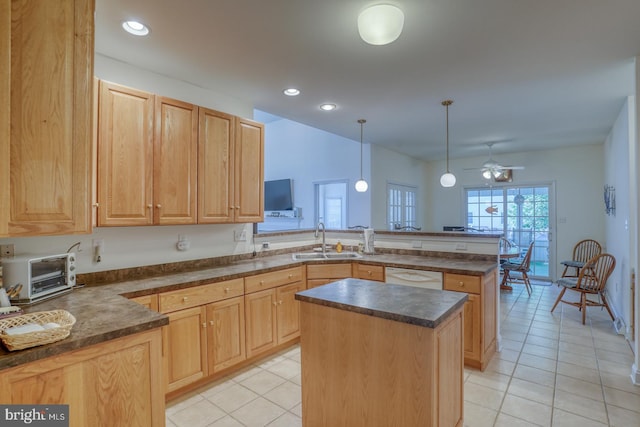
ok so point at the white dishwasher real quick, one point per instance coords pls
(417, 278)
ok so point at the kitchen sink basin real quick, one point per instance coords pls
(310, 256)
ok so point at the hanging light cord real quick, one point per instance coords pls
(362, 122)
(446, 104)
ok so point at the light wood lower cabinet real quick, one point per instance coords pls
(368, 272)
(272, 314)
(184, 342)
(225, 334)
(479, 315)
(115, 383)
(321, 274)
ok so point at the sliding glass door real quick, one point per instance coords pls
(522, 214)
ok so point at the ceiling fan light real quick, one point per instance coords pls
(486, 174)
(448, 179)
(380, 24)
(497, 173)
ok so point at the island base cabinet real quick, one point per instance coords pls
(116, 383)
(360, 370)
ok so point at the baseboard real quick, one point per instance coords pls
(635, 375)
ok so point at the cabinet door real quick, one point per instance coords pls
(149, 301)
(260, 315)
(288, 312)
(175, 157)
(185, 349)
(225, 337)
(472, 312)
(215, 162)
(249, 171)
(46, 74)
(125, 156)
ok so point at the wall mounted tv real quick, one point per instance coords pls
(278, 195)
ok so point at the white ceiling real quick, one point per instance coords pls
(533, 74)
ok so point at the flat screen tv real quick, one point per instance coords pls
(278, 195)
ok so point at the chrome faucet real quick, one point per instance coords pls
(324, 247)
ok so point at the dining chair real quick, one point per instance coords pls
(591, 281)
(523, 267)
(583, 251)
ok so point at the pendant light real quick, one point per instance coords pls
(447, 179)
(361, 184)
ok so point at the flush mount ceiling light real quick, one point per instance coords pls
(136, 28)
(447, 179)
(292, 91)
(361, 184)
(328, 107)
(380, 24)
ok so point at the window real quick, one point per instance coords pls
(331, 204)
(521, 213)
(402, 207)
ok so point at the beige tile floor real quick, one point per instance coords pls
(552, 371)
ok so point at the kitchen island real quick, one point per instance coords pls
(381, 355)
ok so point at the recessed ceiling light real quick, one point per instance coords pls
(328, 107)
(136, 28)
(292, 91)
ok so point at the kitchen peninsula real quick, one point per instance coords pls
(381, 355)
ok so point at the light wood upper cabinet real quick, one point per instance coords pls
(231, 169)
(175, 162)
(216, 132)
(46, 72)
(249, 171)
(125, 156)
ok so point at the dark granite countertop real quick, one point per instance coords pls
(406, 304)
(104, 313)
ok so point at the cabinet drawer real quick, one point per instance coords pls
(462, 283)
(272, 279)
(369, 272)
(149, 301)
(200, 295)
(329, 271)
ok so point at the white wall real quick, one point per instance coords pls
(578, 177)
(395, 168)
(309, 156)
(617, 165)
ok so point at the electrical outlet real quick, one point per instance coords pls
(6, 250)
(240, 235)
(461, 246)
(265, 245)
(416, 244)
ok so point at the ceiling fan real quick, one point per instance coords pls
(492, 169)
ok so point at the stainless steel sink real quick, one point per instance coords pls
(309, 256)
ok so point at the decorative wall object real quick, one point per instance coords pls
(610, 200)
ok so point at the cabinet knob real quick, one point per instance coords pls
(275, 303)
(184, 299)
(290, 276)
(461, 284)
(150, 206)
(261, 282)
(204, 324)
(237, 207)
(280, 302)
(226, 289)
(212, 322)
(96, 205)
(370, 272)
(158, 206)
